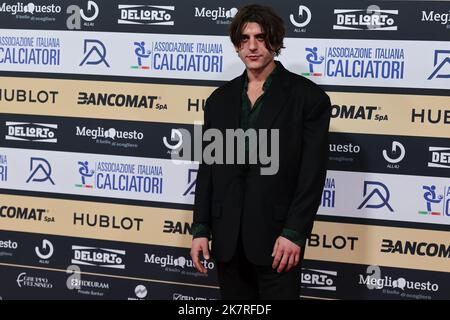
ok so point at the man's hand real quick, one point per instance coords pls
(286, 253)
(199, 245)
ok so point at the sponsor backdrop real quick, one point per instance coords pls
(97, 96)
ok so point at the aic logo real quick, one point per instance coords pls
(76, 14)
(302, 19)
(372, 18)
(437, 204)
(146, 14)
(141, 53)
(35, 132)
(313, 59)
(364, 62)
(378, 190)
(85, 173)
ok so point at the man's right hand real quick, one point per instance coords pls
(199, 245)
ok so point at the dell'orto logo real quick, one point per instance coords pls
(302, 19)
(378, 191)
(319, 279)
(41, 170)
(146, 14)
(98, 257)
(45, 251)
(395, 155)
(372, 18)
(35, 132)
(94, 53)
(440, 157)
(441, 65)
(88, 15)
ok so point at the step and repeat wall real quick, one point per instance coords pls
(93, 95)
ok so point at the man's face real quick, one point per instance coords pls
(253, 51)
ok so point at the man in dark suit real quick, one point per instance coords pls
(259, 223)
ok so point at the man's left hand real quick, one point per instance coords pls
(286, 254)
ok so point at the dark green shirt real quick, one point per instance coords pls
(249, 115)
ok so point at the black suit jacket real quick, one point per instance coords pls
(233, 197)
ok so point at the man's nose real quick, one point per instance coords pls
(253, 44)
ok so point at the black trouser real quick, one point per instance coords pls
(239, 279)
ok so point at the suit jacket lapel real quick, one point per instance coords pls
(275, 98)
(233, 102)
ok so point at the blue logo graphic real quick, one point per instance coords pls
(85, 173)
(192, 181)
(41, 170)
(313, 59)
(141, 54)
(94, 53)
(434, 200)
(441, 59)
(379, 190)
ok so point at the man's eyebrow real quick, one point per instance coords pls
(262, 34)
